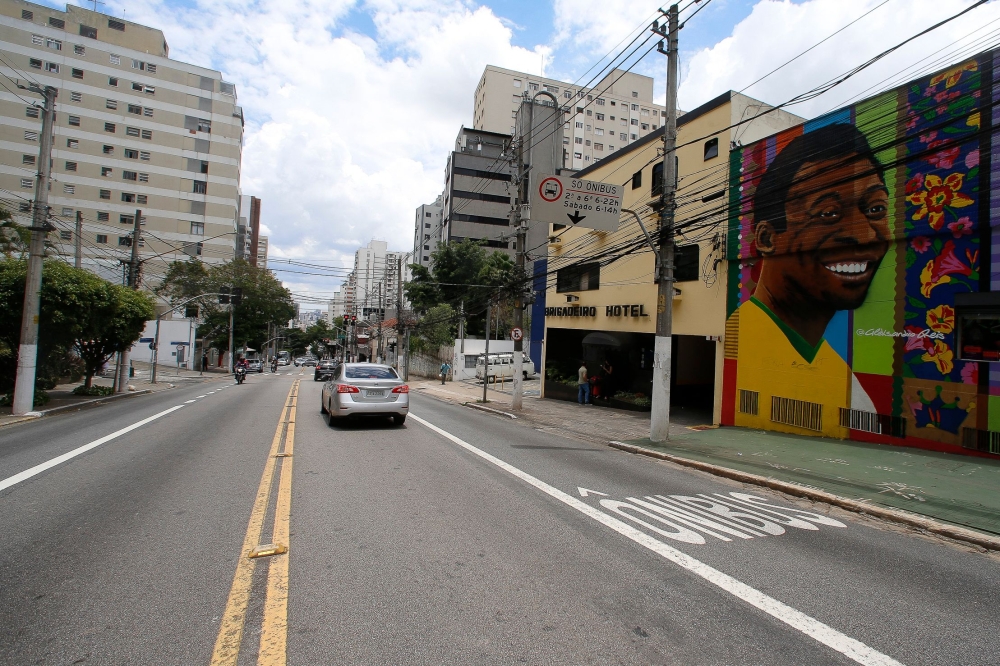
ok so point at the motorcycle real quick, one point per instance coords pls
(241, 375)
(274, 365)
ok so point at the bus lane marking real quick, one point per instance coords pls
(851, 648)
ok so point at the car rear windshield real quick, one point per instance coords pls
(362, 372)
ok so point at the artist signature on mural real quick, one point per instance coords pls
(882, 333)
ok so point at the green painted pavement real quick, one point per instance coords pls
(958, 489)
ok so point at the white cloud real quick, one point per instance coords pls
(777, 30)
(345, 135)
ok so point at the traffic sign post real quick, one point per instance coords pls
(579, 203)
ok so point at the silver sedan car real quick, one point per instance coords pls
(365, 389)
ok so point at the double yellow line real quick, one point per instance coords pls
(274, 632)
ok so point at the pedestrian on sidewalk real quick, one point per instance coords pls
(607, 379)
(204, 362)
(445, 368)
(583, 384)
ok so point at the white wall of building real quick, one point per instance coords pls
(172, 332)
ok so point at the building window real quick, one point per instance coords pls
(200, 187)
(637, 179)
(113, 81)
(34, 63)
(135, 108)
(578, 139)
(686, 263)
(578, 156)
(147, 111)
(116, 25)
(600, 101)
(197, 228)
(66, 234)
(623, 136)
(147, 134)
(645, 112)
(204, 125)
(70, 166)
(635, 121)
(144, 155)
(517, 83)
(67, 211)
(26, 15)
(52, 67)
(27, 183)
(105, 194)
(111, 104)
(79, 50)
(128, 197)
(24, 207)
(76, 97)
(28, 159)
(106, 171)
(151, 68)
(634, 136)
(109, 150)
(74, 121)
(142, 199)
(579, 125)
(711, 148)
(598, 146)
(109, 127)
(610, 148)
(87, 31)
(53, 44)
(131, 154)
(130, 175)
(103, 217)
(69, 189)
(125, 241)
(131, 131)
(143, 177)
(590, 112)
(600, 116)
(77, 73)
(599, 132)
(585, 277)
(101, 238)
(587, 142)
(635, 94)
(533, 86)
(31, 111)
(635, 107)
(30, 136)
(645, 126)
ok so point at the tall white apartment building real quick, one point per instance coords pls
(134, 130)
(428, 230)
(375, 279)
(598, 120)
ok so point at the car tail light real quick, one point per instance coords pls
(403, 388)
(346, 388)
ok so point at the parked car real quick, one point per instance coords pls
(325, 370)
(365, 389)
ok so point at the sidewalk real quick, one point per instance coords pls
(957, 489)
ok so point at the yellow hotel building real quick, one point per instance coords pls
(602, 311)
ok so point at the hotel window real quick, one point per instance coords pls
(645, 112)
(599, 132)
(31, 112)
(635, 121)
(101, 238)
(579, 125)
(28, 159)
(74, 121)
(635, 136)
(635, 107)
(69, 189)
(610, 148)
(623, 136)
(103, 217)
(585, 277)
(686, 263)
(70, 166)
(115, 59)
(197, 228)
(587, 142)
(711, 148)
(578, 139)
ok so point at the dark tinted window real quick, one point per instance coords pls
(369, 372)
(686, 263)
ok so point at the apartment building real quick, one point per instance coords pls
(261, 261)
(248, 229)
(598, 121)
(134, 130)
(428, 227)
(477, 196)
(372, 287)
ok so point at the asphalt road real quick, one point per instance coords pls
(458, 538)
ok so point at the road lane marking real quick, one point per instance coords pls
(38, 469)
(188, 402)
(227, 644)
(849, 647)
(274, 631)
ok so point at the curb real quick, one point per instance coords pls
(895, 515)
(77, 405)
(487, 409)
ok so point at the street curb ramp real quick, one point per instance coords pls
(894, 515)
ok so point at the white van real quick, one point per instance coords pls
(501, 367)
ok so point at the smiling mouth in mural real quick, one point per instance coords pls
(853, 271)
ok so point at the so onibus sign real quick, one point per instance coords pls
(579, 203)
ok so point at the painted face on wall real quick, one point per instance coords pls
(834, 235)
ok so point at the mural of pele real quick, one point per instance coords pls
(857, 304)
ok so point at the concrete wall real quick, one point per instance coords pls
(473, 348)
(171, 331)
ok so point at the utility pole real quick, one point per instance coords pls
(78, 240)
(659, 424)
(133, 282)
(27, 353)
(520, 202)
(399, 307)
(230, 333)
(486, 353)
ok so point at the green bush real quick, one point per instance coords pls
(638, 399)
(93, 390)
(41, 398)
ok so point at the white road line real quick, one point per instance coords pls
(188, 402)
(200, 396)
(58, 460)
(849, 647)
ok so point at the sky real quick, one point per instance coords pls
(352, 106)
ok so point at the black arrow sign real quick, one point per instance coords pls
(575, 218)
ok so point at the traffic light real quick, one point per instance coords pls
(224, 295)
(237, 296)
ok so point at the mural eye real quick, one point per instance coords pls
(876, 210)
(827, 215)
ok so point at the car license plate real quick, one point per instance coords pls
(375, 394)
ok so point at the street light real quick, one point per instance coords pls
(156, 336)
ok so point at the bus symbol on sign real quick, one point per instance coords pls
(551, 189)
